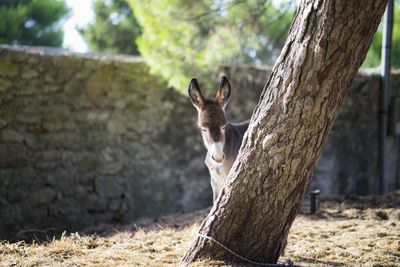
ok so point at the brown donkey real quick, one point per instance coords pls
(221, 138)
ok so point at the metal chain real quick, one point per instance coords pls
(289, 262)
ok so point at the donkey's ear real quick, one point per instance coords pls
(224, 92)
(195, 94)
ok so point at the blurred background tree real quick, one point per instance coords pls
(186, 38)
(178, 39)
(115, 28)
(32, 22)
(373, 58)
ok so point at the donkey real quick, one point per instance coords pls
(221, 138)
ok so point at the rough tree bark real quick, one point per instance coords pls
(327, 44)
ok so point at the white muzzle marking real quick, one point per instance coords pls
(217, 152)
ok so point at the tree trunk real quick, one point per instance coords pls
(327, 43)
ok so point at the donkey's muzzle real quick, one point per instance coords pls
(218, 159)
(217, 152)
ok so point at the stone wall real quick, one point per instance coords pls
(86, 139)
(348, 165)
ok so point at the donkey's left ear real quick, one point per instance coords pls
(195, 94)
(224, 92)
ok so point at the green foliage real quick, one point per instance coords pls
(114, 30)
(186, 38)
(32, 22)
(373, 58)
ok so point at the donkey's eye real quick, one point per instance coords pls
(204, 129)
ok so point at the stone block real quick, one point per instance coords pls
(120, 104)
(7, 69)
(83, 74)
(116, 127)
(50, 155)
(34, 142)
(5, 180)
(27, 90)
(107, 73)
(52, 126)
(70, 125)
(97, 116)
(80, 192)
(29, 74)
(73, 141)
(81, 103)
(35, 128)
(18, 194)
(55, 140)
(28, 118)
(11, 213)
(69, 159)
(124, 206)
(3, 123)
(73, 88)
(89, 163)
(46, 165)
(107, 187)
(64, 182)
(12, 156)
(33, 60)
(25, 176)
(8, 135)
(87, 179)
(49, 89)
(95, 89)
(111, 168)
(67, 207)
(112, 154)
(35, 109)
(7, 112)
(114, 205)
(96, 140)
(95, 203)
(5, 85)
(57, 112)
(80, 116)
(43, 195)
(49, 78)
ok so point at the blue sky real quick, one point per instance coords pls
(81, 14)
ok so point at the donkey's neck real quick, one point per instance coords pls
(233, 139)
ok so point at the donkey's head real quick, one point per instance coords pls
(212, 119)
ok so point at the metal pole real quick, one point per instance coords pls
(385, 94)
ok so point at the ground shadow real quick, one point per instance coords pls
(320, 262)
(331, 207)
(174, 221)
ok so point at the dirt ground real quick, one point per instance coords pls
(362, 231)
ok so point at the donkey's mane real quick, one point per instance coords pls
(209, 100)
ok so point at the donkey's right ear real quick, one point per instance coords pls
(224, 92)
(195, 94)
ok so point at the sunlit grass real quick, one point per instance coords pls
(342, 233)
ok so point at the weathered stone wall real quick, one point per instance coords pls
(86, 139)
(348, 165)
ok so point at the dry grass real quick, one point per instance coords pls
(362, 231)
